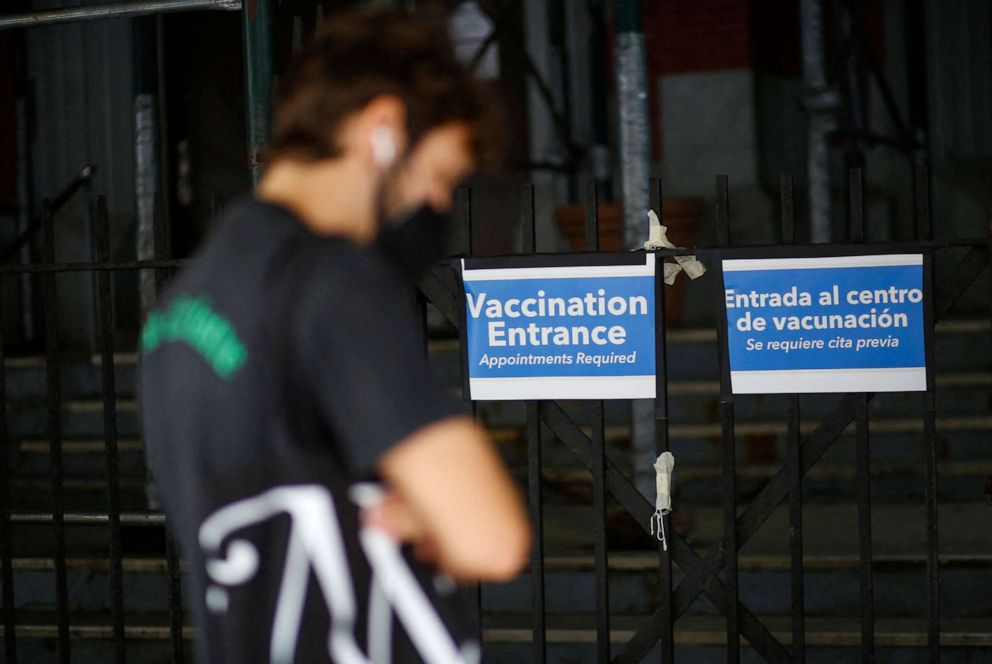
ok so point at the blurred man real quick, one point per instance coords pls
(290, 419)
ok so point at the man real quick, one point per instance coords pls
(290, 420)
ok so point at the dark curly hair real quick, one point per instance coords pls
(360, 55)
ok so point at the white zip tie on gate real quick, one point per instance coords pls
(663, 468)
(658, 239)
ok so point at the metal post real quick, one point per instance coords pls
(632, 111)
(146, 150)
(106, 344)
(795, 468)
(6, 539)
(56, 471)
(729, 479)
(463, 219)
(598, 471)
(257, 37)
(917, 79)
(22, 144)
(854, 158)
(863, 459)
(821, 103)
(534, 479)
(662, 444)
(924, 230)
(635, 166)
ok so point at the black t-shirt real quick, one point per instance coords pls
(276, 370)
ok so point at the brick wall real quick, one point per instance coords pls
(697, 35)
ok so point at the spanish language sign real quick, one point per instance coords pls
(576, 331)
(833, 324)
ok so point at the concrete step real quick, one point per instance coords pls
(828, 530)
(33, 493)
(831, 585)
(81, 418)
(831, 563)
(892, 482)
(507, 638)
(959, 439)
(702, 639)
(704, 630)
(26, 377)
(91, 637)
(80, 457)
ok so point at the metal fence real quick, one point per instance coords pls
(59, 518)
(713, 574)
(703, 572)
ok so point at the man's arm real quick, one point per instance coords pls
(458, 494)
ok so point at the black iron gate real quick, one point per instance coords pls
(713, 575)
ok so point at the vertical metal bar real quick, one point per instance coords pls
(821, 105)
(6, 544)
(661, 437)
(534, 462)
(864, 529)
(924, 231)
(257, 37)
(592, 216)
(633, 120)
(160, 227)
(53, 361)
(106, 322)
(463, 218)
(24, 182)
(788, 210)
(729, 452)
(794, 461)
(175, 600)
(857, 210)
(722, 212)
(528, 222)
(598, 470)
(534, 495)
(863, 460)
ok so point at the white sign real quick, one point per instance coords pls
(564, 332)
(832, 324)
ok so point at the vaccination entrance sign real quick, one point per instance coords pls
(556, 327)
(830, 324)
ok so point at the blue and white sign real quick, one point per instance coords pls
(833, 324)
(570, 332)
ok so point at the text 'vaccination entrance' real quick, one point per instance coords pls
(572, 330)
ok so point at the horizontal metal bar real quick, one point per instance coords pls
(90, 267)
(61, 198)
(90, 518)
(808, 250)
(115, 10)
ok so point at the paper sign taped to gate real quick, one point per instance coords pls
(566, 330)
(828, 324)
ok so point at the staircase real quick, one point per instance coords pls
(964, 363)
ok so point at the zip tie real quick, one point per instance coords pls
(663, 468)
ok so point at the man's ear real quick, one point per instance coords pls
(381, 126)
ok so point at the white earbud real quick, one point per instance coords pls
(383, 147)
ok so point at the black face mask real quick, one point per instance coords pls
(414, 243)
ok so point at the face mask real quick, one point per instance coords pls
(414, 243)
